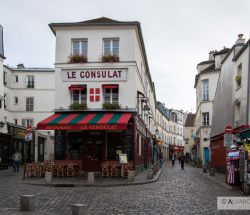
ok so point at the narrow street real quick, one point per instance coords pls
(178, 191)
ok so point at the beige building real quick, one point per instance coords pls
(189, 130)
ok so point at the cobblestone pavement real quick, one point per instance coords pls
(177, 192)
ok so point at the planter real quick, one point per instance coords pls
(110, 59)
(77, 59)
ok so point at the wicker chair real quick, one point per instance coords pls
(37, 169)
(70, 170)
(60, 170)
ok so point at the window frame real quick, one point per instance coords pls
(111, 46)
(205, 90)
(205, 118)
(80, 46)
(111, 95)
(30, 83)
(29, 105)
(80, 101)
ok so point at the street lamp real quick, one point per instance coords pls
(2, 124)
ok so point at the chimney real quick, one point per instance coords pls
(240, 40)
(20, 66)
(211, 55)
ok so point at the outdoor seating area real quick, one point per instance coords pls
(114, 169)
(59, 168)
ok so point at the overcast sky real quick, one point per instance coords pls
(178, 34)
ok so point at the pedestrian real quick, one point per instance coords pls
(173, 159)
(161, 157)
(16, 157)
(182, 159)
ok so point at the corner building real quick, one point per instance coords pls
(104, 94)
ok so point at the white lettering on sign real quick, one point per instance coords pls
(94, 75)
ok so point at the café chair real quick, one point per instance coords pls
(105, 170)
(70, 170)
(60, 171)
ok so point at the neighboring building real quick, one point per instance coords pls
(189, 131)
(162, 125)
(231, 103)
(205, 84)
(26, 97)
(112, 73)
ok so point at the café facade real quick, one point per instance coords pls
(104, 103)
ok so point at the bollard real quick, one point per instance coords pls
(48, 177)
(131, 176)
(150, 173)
(212, 172)
(204, 169)
(79, 209)
(91, 178)
(27, 203)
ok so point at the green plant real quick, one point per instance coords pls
(110, 58)
(76, 58)
(111, 106)
(238, 80)
(76, 106)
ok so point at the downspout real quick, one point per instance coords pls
(248, 87)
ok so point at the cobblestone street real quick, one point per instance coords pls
(177, 191)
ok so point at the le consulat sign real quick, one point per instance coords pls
(80, 75)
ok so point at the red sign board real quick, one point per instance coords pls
(29, 129)
(229, 129)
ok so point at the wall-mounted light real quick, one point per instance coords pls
(146, 109)
(156, 131)
(2, 124)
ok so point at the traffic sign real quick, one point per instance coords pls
(29, 129)
(228, 129)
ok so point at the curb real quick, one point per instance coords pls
(156, 178)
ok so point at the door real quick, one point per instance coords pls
(40, 149)
(206, 155)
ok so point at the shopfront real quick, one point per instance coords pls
(93, 137)
(4, 150)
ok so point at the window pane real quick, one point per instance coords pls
(106, 47)
(84, 48)
(83, 96)
(76, 47)
(76, 96)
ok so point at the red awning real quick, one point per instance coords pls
(77, 87)
(85, 121)
(110, 86)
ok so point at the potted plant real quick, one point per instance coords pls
(77, 106)
(111, 106)
(110, 58)
(77, 58)
(238, 80)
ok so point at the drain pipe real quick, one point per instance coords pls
(248, 87)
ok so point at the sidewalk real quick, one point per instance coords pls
(140, 178)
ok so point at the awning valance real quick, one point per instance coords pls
(85, 121)
(77, 87)
(110, 86)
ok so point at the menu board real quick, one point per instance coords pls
(123, 158)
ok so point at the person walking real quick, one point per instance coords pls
(182, 160)
(173, 159)
(161, 157)
(16, 157)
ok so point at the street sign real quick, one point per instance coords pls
(29, 129)
(229, 129)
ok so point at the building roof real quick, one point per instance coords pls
(190, 120)
(33, 69)
(241, 50)
(205, 62)
(222, 51)
(102, 21)
(209, 68)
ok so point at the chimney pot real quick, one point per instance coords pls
(240, 39)
(20, 66)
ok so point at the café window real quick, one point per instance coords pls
(78, 94)
(111, 47)
(27, 122)
(29, 104)
(111, 94)
(80, 47)
(30, 81)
